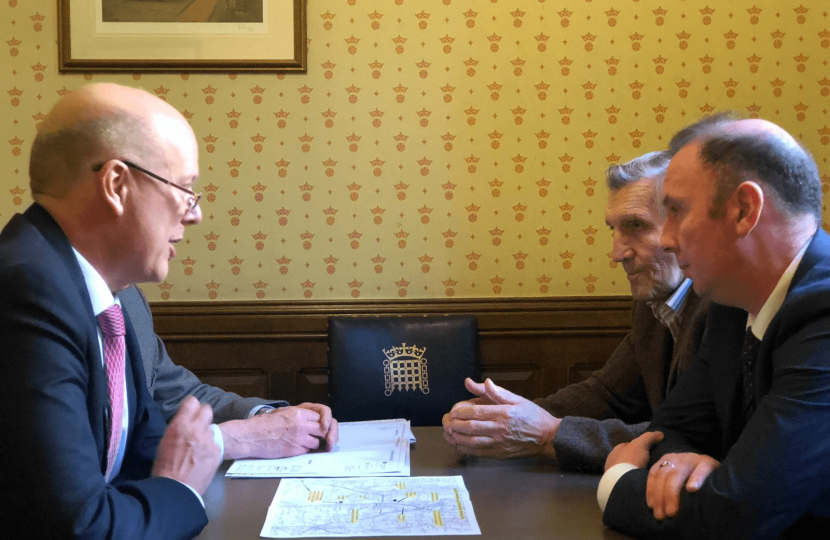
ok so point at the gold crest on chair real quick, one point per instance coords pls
(405, 368)
(378, 366)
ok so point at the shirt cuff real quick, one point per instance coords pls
(259, 409)
(609, 480)
(219, 440)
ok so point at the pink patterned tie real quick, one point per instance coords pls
(111, 321)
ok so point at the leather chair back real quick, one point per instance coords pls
(400, 367)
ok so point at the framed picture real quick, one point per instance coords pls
(181, 35)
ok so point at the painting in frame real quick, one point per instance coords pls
(181, 35)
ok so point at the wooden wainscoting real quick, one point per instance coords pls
(277, 350)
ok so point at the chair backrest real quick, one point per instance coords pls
(400, 367)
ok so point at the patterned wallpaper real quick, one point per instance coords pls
(441, 148)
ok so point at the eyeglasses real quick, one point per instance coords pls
(193, 198)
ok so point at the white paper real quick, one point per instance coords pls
(415, 506)
(412, 439)
(364, 449)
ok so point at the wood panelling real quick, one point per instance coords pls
(278, 350)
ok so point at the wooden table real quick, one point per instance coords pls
(521, 499)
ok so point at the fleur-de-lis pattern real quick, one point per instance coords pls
(441, 148)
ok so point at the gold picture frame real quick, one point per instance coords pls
(116, 35)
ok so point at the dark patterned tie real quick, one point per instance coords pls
(749, 355)
(111, 321)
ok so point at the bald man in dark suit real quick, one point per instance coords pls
(86, 453)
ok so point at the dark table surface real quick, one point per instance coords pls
(520, 499)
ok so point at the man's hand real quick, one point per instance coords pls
(288, 431)
(187, 452)
(499, 424)
(328, 425)
(635, 452)
(667, 478)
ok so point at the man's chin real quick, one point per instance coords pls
(157, 275)
(651, 294)
(641, 295)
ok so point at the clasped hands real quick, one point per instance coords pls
(499, 424)
(667, 477)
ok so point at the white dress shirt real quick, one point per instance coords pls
(102, 298)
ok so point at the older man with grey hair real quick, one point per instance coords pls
(580, 424)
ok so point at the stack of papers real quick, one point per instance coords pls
(377, 448)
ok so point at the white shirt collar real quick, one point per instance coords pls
(760, 322)
(99, 292)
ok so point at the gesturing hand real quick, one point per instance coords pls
(667, 478)
(499, 424)
(187, 452)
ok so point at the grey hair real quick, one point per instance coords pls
(57, 158)
(652, 165)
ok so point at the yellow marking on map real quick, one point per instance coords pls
(400, 485)
(411, 494)
(342, 497)
(401, 518)
(315, 496)
(434, 497)
(459, 504)
(436, 517)
(354, 516)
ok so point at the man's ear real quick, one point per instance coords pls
(114, 185)
(749, 201)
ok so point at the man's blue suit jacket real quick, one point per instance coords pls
(54, 414)
(774, 477)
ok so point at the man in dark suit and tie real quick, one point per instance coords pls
(85, 452)
(740, 448)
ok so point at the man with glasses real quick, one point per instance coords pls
(246, 431)
(86, 452)
(192, 198)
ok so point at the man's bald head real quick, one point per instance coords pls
(699, 128)
(761, 151)
(96, 123)
(89, 170)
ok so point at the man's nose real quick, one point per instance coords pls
(193, 216)
(668, 241)
(621, 250)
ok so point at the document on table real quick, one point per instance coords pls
(415, 506)
(378, 448)
(381, 423)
